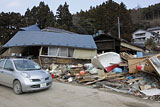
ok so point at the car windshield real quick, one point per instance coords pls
(26, 65)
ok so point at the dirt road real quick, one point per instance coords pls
(66, 95)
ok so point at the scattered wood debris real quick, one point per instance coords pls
(132, 76)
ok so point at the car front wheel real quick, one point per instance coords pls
(17, 87)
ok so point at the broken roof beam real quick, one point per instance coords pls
(132, 47)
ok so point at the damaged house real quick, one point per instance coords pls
(51, 47)
(109, 43)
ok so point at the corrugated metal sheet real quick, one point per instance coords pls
(31, 28)
(56, 30)
(37, 38)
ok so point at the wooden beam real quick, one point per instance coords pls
(127, 45)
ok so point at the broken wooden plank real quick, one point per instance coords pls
(126, 56)
(133, 80)
(155, 62)
(40, 62)
(113, 84)
(121, 78)
(116, 75)
(107, 76)
(86, 80)
(123, 64)
(110, 73)
(89, 83)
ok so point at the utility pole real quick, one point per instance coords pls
(119, 33)
(26, 20)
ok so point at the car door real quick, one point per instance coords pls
(8, 73)
(1, 69)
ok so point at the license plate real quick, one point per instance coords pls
(43, 85)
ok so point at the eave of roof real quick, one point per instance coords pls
(132, 47)
(31, 28)
(107, 35)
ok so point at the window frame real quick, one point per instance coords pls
(5, 64)
(2, 64)
(58, 50)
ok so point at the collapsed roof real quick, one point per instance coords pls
(38, 38)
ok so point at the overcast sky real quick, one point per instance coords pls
(74, 5)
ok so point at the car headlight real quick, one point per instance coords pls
(25, 75)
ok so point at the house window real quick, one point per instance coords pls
(52, 51)
(139, 40)
(63, 52)
(142, 39)
(44, 51)
(58, 51)
(140, 34)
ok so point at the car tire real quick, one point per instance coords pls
(17, 88)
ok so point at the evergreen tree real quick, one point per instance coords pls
(64, 17)
(42, 15)
(9, 25)
(104, 17)
(59, 15)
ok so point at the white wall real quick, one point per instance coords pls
(142, 36)
(84, 54)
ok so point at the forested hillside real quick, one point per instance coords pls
(146, 17)
(104, 17)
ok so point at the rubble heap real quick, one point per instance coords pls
(137, 76)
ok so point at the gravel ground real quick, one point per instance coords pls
(67, 95)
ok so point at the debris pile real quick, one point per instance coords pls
(126, 74)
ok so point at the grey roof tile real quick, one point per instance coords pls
(38, 38)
